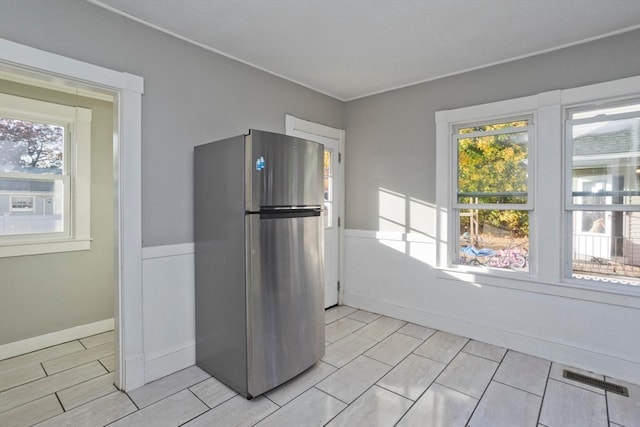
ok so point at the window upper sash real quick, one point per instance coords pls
(492, 164)
(602, 152)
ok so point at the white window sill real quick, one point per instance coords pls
(46, 247)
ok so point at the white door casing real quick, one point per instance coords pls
(126, 90)
(333, 140)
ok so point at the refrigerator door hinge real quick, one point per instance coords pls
(339, 157)
(338, 222)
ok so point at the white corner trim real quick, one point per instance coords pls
(54, 338)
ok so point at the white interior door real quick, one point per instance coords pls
(331, 138)
(331, 235)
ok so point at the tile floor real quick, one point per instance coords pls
(377, 371)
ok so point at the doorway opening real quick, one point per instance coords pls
(78, 78)
(333, 140)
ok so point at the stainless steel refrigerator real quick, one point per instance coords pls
(258, 259)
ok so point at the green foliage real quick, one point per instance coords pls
(491, 168)
(517, 222)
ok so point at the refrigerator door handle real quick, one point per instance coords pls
(290, 212)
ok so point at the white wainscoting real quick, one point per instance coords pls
(168, 309)
(393, 274)
(54, 338)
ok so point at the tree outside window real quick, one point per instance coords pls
(25, 146)
(492, 193)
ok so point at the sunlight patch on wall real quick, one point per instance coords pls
(393, 211)
(407, 225)
(422, 217)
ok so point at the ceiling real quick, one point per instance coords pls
(353, 48)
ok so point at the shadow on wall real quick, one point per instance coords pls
(404, 258)
(407, 225)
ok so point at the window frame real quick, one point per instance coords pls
(569, 205)
(457, 207)
(530, 129)
(446, 195)
(76, 177)
(549, 271)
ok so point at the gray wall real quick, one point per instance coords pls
(194, 96)
(391, 136)
(191, 96)
(40, 294)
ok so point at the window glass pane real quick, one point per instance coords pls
(605, 171)
(328, 211)
(493, 168)
(606, 246)
(328, 188)
(327, 162)
(606, 159)
(31, 206)
(28, 147)
(494, 238)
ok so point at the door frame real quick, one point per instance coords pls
(294, 126)
(127, 90)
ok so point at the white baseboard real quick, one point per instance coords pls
(54, 338)
(614, 367)
(163, 363)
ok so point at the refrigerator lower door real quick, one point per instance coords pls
(285, 299)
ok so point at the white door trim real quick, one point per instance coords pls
(127, 92)
(294, 124)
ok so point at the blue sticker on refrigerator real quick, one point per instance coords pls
(260, 163)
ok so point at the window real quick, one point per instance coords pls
(603, 190)
(328, 189)
(44, 177)
(492, 182)
(577, 151)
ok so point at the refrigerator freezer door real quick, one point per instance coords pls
(282, 171)
(285, 299)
